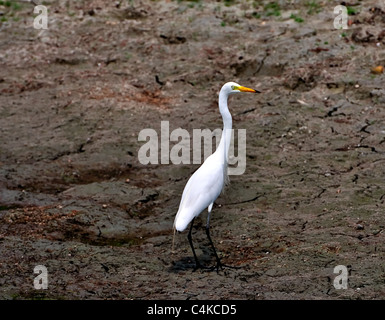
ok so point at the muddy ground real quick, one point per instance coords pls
(75, 198)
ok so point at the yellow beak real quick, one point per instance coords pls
(244, 89)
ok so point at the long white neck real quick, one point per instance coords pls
(224, 144)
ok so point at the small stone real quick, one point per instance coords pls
(359, 227)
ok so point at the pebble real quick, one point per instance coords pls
(359, 227)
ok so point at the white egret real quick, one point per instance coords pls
(206, 184)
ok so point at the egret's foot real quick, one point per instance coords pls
(216, 267)
(222, 266)
(200, 266)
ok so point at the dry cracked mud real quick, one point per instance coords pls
(75, 198)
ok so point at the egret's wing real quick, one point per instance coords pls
(202, 189)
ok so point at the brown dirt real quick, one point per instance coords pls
(75, 198)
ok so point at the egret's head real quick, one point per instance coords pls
(232, 87)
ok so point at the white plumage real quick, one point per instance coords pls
(206, 184)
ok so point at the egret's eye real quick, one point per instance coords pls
(233, 87)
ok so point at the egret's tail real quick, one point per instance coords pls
(181, 222)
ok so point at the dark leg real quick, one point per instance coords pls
(219, 263)
(197, 264)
